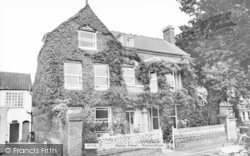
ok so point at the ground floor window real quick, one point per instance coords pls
(102, 119)
(155, 118)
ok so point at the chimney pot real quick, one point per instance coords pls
(169, 34)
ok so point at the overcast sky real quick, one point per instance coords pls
(24, 22)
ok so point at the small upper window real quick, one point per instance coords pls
(129, 76)
(87, 40)
(73, 75)
(101, 77)
(153, 83)
(14, 99)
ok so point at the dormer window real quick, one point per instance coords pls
(87, 40)
(130, 42)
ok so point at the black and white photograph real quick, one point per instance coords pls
(125, 77)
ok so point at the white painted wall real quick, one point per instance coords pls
(17, 113)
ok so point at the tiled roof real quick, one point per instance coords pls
(14, 81)
(153, 44)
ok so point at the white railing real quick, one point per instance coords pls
(136, 138)
(195, 132)
(191, 132)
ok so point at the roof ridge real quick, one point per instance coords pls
(137, 35)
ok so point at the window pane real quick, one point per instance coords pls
(129, 80)
(101, 81)
(86, 44)
(155, 112)
(170, 77)
(72, 80)
(72, 69)
(153, 85)
(101, 71)
(153, 76)
(128, 71)
(8, 99)
(14, 99)
(20, 99)
(87, 35)
(101, 113)
(155, 123)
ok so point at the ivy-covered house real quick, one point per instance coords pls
(123, 81)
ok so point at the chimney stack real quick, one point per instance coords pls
(168, 34)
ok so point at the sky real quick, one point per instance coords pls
(24, 22)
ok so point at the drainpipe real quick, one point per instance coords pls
(32, 134)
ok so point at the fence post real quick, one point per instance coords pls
(74, 131)
(173, 137)
(231, 129)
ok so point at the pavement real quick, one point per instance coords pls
(200, 151)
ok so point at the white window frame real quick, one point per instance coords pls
(94, 40)
(173, 88)
(151, 80)
(102, 87)
(79, 76)
(129, 76)
(108, 120)
(13, 101)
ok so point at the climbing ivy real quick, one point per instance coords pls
(117, 96)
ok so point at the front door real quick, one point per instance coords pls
(14, 132)
(130, 120)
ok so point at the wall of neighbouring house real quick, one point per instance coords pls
(3, 125)
(18, 114)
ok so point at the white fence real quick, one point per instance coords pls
(191, 132)
(136, 138)
(195, 132)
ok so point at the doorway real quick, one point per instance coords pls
(25, 131)
(130, 120)
(14, 131)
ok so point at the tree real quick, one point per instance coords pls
(218, 37)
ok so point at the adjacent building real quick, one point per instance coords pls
(15, 107)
